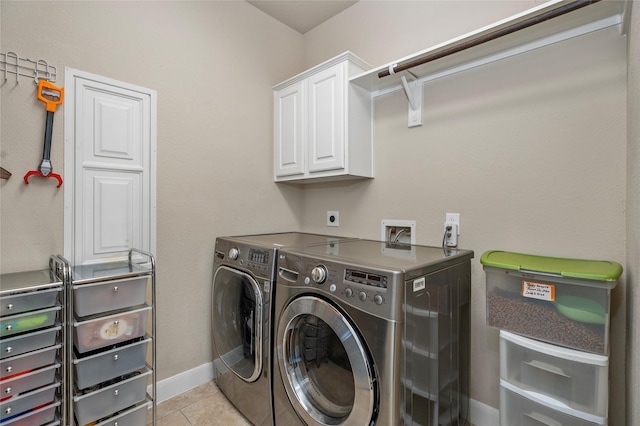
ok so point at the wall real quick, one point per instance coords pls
(212, 65)
(633, 214)
(531, 151)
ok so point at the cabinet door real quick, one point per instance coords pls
(289, 130)
(326, 120)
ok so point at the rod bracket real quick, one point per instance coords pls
(413, 91)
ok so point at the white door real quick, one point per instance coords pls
(325, 128)
(289, 130)
(110, 168)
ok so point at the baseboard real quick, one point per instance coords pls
(180, 383)
(479, 414)
(483, 415)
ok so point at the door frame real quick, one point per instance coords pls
(69, 119)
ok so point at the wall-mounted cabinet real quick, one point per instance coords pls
(322, 124)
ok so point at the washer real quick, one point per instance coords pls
(371, 334)
(242, 309)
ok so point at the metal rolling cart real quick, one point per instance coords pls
(32, 345)
(108, 368)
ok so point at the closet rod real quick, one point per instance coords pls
(559, 11)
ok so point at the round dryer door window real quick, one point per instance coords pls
(324, 364)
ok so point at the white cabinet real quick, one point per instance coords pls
(322, 124)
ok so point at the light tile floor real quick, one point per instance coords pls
(201, 406)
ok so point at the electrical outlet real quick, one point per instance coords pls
(333, 218)
(451, 229)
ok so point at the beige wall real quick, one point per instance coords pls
(531, 151)
(213, 65)
(633, 216)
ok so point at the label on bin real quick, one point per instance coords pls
(540, 291)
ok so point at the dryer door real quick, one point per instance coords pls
(325, 366)
(237, 322)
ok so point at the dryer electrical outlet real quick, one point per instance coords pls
(333, 218)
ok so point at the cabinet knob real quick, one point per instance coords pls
(116, 392)
(116, 322)
(9, 369)
(10, 306)
(9, 349)
(9, 327)
(8, 410)
(115, 288)
(115, 424)
(8, 390)
(115, 357)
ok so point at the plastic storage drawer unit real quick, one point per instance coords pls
(133, 416)
(28, 381)
(107, 365)
(95, 298)
(522, 408)
(577, 379)
(108, 330)
(110, 399)
(561, 301)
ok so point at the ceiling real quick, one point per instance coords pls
(302, 15)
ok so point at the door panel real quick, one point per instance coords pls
(289, 131)
(110, 152)
(326, 120)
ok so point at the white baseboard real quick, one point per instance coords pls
(180, 383)
(479, 414)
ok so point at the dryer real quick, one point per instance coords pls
(371, 334)
(242, 309)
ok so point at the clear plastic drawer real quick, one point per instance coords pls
(107, 365)
(40, 416)
(28, 381)
(133, 416)
(17, 345)
(110, 399)
(95, 298)
(27, 361)
(523, 408)
(111, 329)
(26, 402)
(31, 301)
(577, 379)
(28, 321)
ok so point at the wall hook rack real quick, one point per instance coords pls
(39, 69)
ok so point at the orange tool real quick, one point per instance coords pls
(52, 97)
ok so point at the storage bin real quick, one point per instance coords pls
(17, 345)
(109, 399)
(561, 301)
(28, 321)
(107, 365)
(26, 402)
(523, 408)
(42, 415)
(94, 298)
(577, 379)
(27, 361)
(31, 301)
(28, 381)
(108, 330)
(133, 416)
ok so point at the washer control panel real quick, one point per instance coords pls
(372, 291)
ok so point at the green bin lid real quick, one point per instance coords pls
(600, 270)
